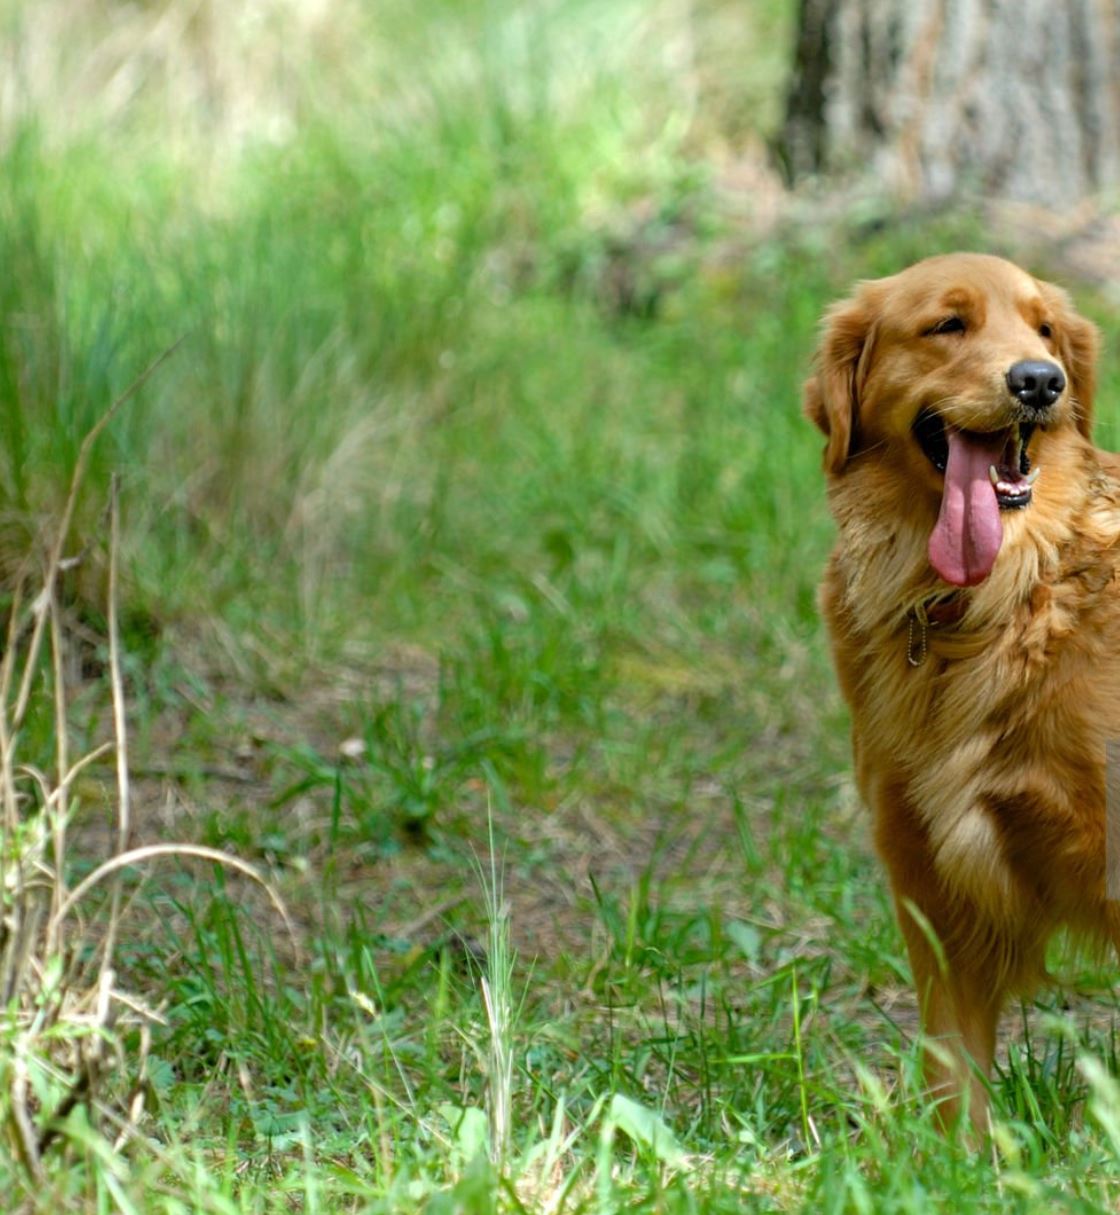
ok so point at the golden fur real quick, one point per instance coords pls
(979, 737)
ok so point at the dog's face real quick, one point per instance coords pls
(954, 372)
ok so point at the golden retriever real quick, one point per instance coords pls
(974, 614)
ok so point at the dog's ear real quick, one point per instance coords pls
(1078, 343)
(831, 398)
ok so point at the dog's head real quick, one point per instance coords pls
(954, 371)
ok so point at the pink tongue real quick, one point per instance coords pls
(964, 543)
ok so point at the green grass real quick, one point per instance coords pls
(470, 541)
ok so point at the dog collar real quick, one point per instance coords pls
(942, 611)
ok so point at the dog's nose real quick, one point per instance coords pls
(1036, 383)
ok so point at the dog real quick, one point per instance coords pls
(973, 608)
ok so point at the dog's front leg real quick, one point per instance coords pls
(960, 1006)
(959, 982)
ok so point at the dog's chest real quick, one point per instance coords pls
(998, 736)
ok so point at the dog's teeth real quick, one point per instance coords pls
(1032, 476)
(993, 474)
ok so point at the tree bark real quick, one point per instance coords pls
(1015, 99)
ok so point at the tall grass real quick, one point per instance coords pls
(74, 1047)
(348, 406)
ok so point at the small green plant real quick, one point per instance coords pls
(406, 776)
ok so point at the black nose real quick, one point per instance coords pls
(1036, 383)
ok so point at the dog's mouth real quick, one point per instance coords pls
(984, 475)
(1011, 474)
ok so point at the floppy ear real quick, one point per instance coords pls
(1078, 342)
(830, 397)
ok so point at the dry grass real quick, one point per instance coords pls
(69, 1035)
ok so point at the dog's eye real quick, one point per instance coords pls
(951, 324)
(1045, 331)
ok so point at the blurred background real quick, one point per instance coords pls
(472, 281)
(395, 241)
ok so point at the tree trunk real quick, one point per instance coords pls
(1015, 99)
